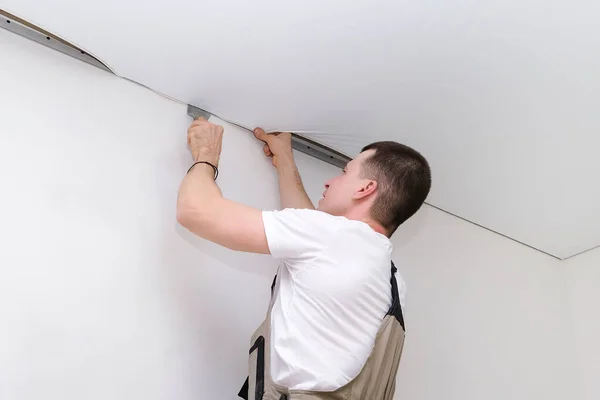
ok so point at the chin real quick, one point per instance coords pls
(320, 205)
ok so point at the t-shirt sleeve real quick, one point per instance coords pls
(299, 233)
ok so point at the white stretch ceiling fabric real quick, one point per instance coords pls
(500, 96)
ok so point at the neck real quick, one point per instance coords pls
(376, 227)
(356, 215)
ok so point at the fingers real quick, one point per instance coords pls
(267, 151)
(203, 122)
(199, 121)
(260, 134)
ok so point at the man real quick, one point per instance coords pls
(334, 329)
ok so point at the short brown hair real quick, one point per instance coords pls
(403, 177)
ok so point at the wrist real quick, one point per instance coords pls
(285, 160)
(208, 157)
(207, 165)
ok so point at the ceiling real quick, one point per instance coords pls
(501, 96)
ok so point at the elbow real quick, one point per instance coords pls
(197, 218)
(182, 217)
(187, 216)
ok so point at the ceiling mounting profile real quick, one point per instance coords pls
(30, 31)
(491, 131)
(302, 144)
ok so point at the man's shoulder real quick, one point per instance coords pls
(307, 217)
(309, 213)
(299, 233)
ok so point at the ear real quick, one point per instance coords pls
(368, 188)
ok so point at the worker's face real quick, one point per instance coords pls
(342, 191)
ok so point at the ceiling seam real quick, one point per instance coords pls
(496, 232)
(581, 252)
(43, 32)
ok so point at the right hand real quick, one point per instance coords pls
(278, 145)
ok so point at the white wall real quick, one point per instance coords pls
(102, 295)
(493, 92)
(484, 318)
(584, 300)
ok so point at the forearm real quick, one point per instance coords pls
(291, 189)
(202, 209)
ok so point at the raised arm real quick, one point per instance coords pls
(201, 207)
(278, 146)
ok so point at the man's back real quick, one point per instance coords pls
(332, 294)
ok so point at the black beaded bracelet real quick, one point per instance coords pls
(205, 162)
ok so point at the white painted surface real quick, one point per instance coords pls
(584, 300)
(102, 295)
(501, 96)
(485, 316)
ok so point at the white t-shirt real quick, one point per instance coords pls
(333, 293)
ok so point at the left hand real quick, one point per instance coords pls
(205, 140)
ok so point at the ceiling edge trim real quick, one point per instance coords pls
(300, 143)
(23, 28)
(581, 252)
(498, 233)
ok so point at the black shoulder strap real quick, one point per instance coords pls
(273, 284)
(396, 308)
(243, 393)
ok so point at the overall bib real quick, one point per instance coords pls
(376, 380)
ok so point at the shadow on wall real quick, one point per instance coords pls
(411, 228)
(243, 262)
(213, 281)
(218, 296)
